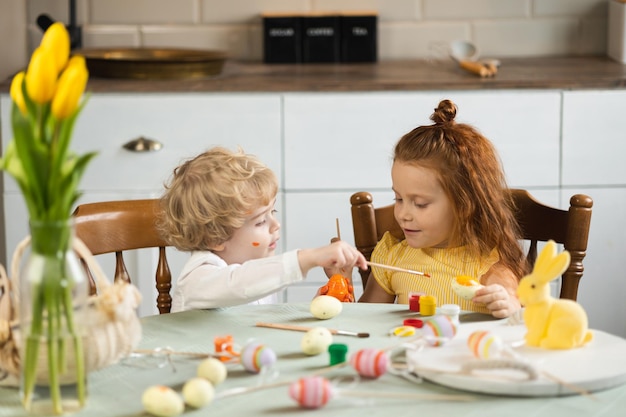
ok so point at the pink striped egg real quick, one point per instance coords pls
(484, 344)
(370, 363)
(438, 330)
(254, 356)
(311, 392)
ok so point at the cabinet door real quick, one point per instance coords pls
(345, 141)
(593, 138)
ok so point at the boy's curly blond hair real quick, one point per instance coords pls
(208, 198)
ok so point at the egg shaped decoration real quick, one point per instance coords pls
(162, 401)
(198, 392)
(325, 307)
(255, 356)
(465, 286)
(213, 370)
(316, 341)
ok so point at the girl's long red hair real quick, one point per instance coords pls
(471, 174)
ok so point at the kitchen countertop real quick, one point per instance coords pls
(588, 72)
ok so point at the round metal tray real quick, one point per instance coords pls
(153, 63)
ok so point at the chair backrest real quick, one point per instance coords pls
(118, 226)
(538, 223)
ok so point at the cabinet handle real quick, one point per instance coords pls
(142, 144)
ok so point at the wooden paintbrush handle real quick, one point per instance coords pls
(285, 326)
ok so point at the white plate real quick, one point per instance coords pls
(599, 365)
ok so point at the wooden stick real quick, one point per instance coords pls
(408, 396)
(395, 268)
(306, 329)
(165, 352)
(569, 386)
(337, 223)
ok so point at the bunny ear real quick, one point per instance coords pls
(549, 265)
(545, 256)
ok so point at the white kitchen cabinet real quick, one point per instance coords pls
(340, 143)
(325, 146)
(185, 125)
(594, 145)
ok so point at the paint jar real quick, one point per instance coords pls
(428, 305)
(414, 301)
(338, 352)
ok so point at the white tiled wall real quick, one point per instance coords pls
(407, 28)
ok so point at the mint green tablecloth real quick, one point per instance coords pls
(116, 390)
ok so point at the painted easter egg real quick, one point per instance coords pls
(198, 392)
(255, 356)
(465, 286)
(439, 330)
(325, 307)
(485, 345)
(370, 363)
(316, 341)
(311, 392)
(162, 401)
(213, 370)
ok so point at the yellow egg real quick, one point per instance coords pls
(465, 287)
(325, 307)
(162, 401)
(212, 370)
(198, 392)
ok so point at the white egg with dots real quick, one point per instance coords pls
(325, 307)
(316, 341)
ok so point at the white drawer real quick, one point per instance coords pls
(185, 124)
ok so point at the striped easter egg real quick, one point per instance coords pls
(484, 344)
(254, 356)
(311, 392)
(439, 330)
(370, 363)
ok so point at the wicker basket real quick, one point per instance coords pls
(114, 328)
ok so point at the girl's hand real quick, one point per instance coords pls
(498, 300)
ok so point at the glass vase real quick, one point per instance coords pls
(54, 293)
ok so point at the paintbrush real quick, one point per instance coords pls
(395, 268)
(306, 329)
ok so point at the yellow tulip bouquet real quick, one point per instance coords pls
(46, 102)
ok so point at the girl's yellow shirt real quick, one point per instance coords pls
(443, 265)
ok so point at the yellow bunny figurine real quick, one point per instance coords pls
(552, 323)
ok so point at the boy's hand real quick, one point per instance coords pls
(337, 255)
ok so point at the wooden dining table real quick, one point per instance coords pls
(116, 390)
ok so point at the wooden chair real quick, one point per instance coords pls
(118, 226)
(537, 221)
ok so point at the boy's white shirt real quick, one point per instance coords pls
(207, 281)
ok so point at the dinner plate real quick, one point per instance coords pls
(599, 365)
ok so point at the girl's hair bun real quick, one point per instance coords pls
(444, 113)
